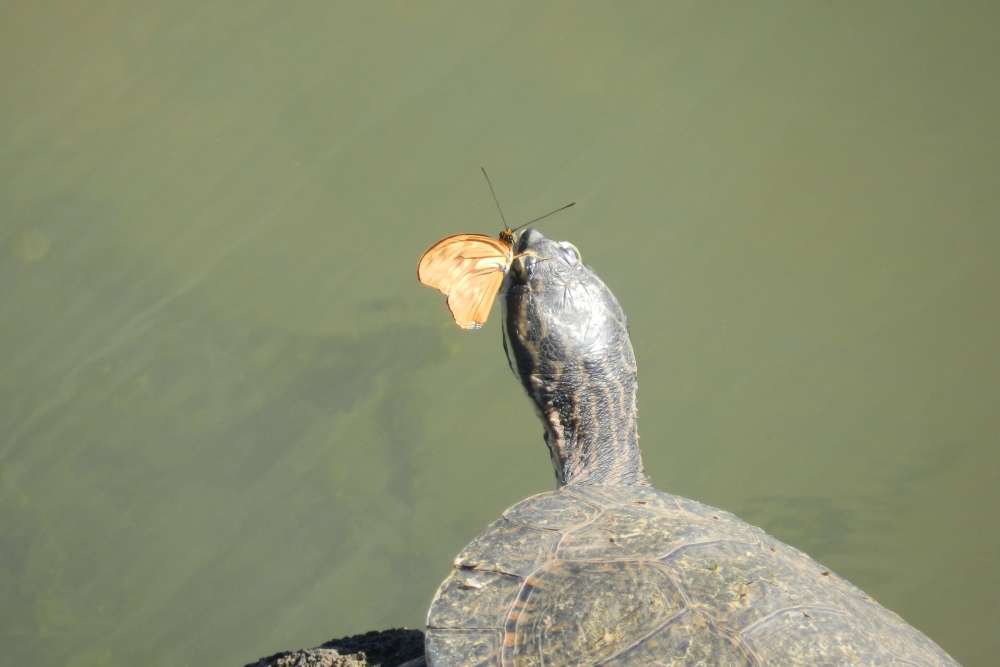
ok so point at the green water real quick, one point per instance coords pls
(232, 422)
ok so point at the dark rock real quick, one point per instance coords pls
(389, 648)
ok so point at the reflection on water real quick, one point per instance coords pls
(838, 525)
(183, 459)
(232, 422)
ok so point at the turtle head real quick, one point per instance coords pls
(551, 295)
(567, 341)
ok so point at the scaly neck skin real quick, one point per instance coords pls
(590, 417)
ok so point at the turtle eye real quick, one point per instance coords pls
(570, 253)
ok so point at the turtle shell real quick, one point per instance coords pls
(628, 575)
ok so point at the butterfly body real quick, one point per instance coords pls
(468, 269)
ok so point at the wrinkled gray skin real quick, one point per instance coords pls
(609, 571)
(567, 341)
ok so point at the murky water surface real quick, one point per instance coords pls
(232, 422)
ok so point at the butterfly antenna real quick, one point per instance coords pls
(544, 216)
(495, 199)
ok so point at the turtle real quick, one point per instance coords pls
(607, 570)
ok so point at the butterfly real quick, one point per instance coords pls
(469, 269)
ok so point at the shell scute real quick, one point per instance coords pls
(833, 639)
(580, 613)
(512, 548)
(693, 508)
(606, 496)
(462, 648)
(740, 583)
(641, 531)
(473, 599)
(686, 641)
(554, 511)
(897, 637)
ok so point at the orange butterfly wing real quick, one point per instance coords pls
(468, 269)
